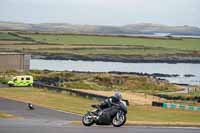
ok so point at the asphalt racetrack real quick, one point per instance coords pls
(43, 120)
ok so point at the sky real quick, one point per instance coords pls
(102, 12)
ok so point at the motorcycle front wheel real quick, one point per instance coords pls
(87, 120)
(118, 122)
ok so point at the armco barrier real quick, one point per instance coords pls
(175, 106)
(71, 91)
(181, 106)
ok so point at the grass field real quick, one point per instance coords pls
(184, 44)
(98, 46)
(79, 105)
(6, 36)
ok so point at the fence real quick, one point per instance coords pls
(72, 91)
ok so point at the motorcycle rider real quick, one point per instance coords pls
(30, 106)
(109, 102)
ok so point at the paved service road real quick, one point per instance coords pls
(43, 120)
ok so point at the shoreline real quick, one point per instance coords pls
(170, 60)
(159, 76)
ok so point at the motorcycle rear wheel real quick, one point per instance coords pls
(87, 120)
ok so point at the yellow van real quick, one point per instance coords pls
(25, 80)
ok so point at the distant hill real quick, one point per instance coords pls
(141, 28)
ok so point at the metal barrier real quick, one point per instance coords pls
(181, 106)
(175, 106)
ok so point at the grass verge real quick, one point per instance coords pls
(6, 115)
(65, 102)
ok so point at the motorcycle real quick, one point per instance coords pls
(115, 115)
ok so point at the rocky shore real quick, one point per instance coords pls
(128, 59)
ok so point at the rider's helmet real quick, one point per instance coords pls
(118, 95)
